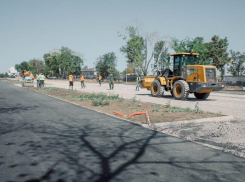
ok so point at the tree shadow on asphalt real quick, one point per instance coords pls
(86, 152)
(9, 125)
(16, 109)
(72, 152)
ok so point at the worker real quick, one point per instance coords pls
(82, 80)
(38, 79)
(111, 84)
(25, 73)
(100, 79)
(71, 79)
(32, 77)
(42, 80)
(137, 83)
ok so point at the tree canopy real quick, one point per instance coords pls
(197, 44)
(135, 50)
(237, 63)
(106, 65)
(63, 62)
(218, 54)
(37, 66)
(23, 66)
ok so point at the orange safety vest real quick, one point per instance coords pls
(81, 78)
(31, 75)
(100, 77)
(71, 78)
(25, 73)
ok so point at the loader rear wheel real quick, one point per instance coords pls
(156, 89)
(201, 95)
(181, 90)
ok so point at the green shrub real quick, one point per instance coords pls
(100, 103)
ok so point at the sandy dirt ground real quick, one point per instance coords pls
(226, 136)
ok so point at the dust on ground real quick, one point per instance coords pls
(227, 136)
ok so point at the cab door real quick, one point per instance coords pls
(177, 65)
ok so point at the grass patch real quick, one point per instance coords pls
(99, 96)
(100, 103)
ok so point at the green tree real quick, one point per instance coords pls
(63, 62)
(135, 50)
(36, 65)
(237, 63)
(106, 65)
(69, 62)
(6, 75)
(197, 44)
(217, 52)
(52, 62)
(23, 66)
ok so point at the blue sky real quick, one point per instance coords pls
(31, 28)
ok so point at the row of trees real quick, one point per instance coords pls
(59, 63)
(215, 52)
(4, 75)
(34, 65)
(141, 51)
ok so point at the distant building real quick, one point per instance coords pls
(12, 71)
(89, 73)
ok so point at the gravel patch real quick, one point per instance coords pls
(227, 136)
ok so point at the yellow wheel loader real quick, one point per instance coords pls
(182, 77)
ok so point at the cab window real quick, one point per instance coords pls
(176, 66)
(189, 60)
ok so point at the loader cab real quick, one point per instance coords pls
(178, 60)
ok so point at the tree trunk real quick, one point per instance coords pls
(222, 73)
(159, 56)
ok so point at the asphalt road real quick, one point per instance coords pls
(44, 139)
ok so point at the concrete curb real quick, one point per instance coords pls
(214, 119)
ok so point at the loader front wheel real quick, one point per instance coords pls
(201, 95)
(156, 89)
(181, 90)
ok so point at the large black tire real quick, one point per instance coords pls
(156, 89)
(201, 95)
(181, 90)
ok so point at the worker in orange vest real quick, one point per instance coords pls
(25, 73)
(71, 79)
(100, 78)
(82, 81)
(31, 75)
